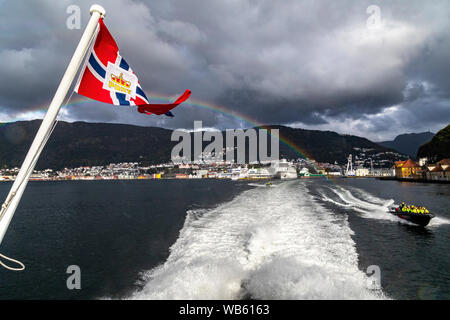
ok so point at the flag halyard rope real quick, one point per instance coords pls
(8, 201)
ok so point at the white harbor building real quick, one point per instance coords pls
(283, 170)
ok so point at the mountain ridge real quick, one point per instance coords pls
(408, 143)
(87, 144)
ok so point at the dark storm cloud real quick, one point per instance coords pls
(308, 63)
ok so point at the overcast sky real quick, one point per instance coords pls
(327, 65)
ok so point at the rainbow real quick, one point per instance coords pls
(196, 103)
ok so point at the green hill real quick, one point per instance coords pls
(438, 148)
(327, 146)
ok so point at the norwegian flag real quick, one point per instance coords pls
(108, 78)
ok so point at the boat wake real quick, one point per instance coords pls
(438, 221)
(262, 185)
(367, 205)
(265, 244)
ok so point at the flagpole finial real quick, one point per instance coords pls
(99, 9)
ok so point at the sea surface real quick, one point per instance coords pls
(222, 239)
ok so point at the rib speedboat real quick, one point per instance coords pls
(421, 219)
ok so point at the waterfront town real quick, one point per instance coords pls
(282, 169)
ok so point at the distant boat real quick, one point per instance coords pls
(421, 219)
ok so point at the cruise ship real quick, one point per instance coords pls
(283, 170)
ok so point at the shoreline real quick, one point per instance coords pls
(415, 180)
(251, 179)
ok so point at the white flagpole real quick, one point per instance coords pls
(20, 183)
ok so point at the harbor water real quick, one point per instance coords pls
(223, 239)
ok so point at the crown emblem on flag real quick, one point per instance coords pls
(120, 80)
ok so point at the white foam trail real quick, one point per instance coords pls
(324, 197)
(376, 209)
(370, 198)
(438, 221)
(265, 244)
(262, 185)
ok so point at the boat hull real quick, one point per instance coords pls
(416, 218)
